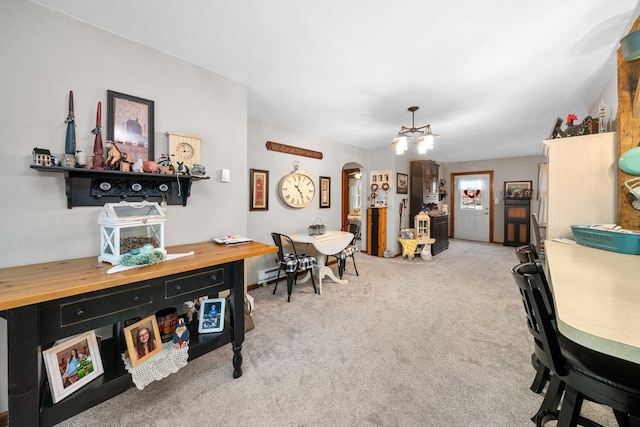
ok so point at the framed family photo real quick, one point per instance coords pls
(130, 125)
(258, 190)
(402, 183)
(325, 192)
(143, 340)
(72, 364)
(518, 189)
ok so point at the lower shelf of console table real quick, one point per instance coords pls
(69, 297)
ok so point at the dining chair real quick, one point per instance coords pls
(537, 228)
(578, 372)
(292, 263)
(353, 227)
(525, 254)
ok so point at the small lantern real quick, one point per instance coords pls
(127, 227)
(422, 223)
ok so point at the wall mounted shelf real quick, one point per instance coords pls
(90, 187)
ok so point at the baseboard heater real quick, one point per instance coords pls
(268, 274)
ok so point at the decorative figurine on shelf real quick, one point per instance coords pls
(98, 159)
(181, 335)
(41, 157)
(182, 169)
(125, 163)
(150, 166)
(198, 170)
(70, 140)
(166, 165)
(583, 128)
(114, 155)
(137, 166)
(81, 159)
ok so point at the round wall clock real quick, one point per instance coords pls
(297, 189)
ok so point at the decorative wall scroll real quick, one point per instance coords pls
(282, 148)
(325, 192)
(258, 190)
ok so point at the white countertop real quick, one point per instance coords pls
(597, 297)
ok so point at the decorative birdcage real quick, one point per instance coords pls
(128, 228)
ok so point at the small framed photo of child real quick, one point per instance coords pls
(72, 364)
(143, 340)
(211, 315)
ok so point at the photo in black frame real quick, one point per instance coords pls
(130, 125)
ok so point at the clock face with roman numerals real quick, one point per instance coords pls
(297, 190)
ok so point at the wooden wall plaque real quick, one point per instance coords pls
(289, 149)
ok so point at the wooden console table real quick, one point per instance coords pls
(49, 301)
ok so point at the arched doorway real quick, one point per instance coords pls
(351, 192)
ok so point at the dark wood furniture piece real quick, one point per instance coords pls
(440, 232)
(376, 231)
(424, 187)
(89, 187)
(517, 224)
(48, 301)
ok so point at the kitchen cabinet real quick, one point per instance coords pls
(440, 232)
(424, 184)
(582, 188)
(376, 231)
(517, 221)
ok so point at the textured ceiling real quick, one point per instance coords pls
(490, 77)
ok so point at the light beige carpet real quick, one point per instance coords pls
(407, 343)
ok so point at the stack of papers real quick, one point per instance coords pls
(231, 240)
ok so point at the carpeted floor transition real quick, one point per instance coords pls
(407, 343)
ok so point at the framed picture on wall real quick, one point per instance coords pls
(516, 189)
(258, 190)
(325, 192)
(72, 364)
(402, 183)
(130, 125)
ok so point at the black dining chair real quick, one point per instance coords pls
(578, 372)
(538, 229)
(353, 227)
(525, 254)
(292, 263)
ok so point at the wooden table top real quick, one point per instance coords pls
(31, 284)
(597, 297)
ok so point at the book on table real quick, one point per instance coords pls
(231, 240)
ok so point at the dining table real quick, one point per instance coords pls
(597, 294)
(329, 243)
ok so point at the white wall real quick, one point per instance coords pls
(45, 55)
(51, 54)
(508, 169)
(280, 218)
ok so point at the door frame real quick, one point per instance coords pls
(452, 210)
(345, 195)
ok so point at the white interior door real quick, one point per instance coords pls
(471, 204)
